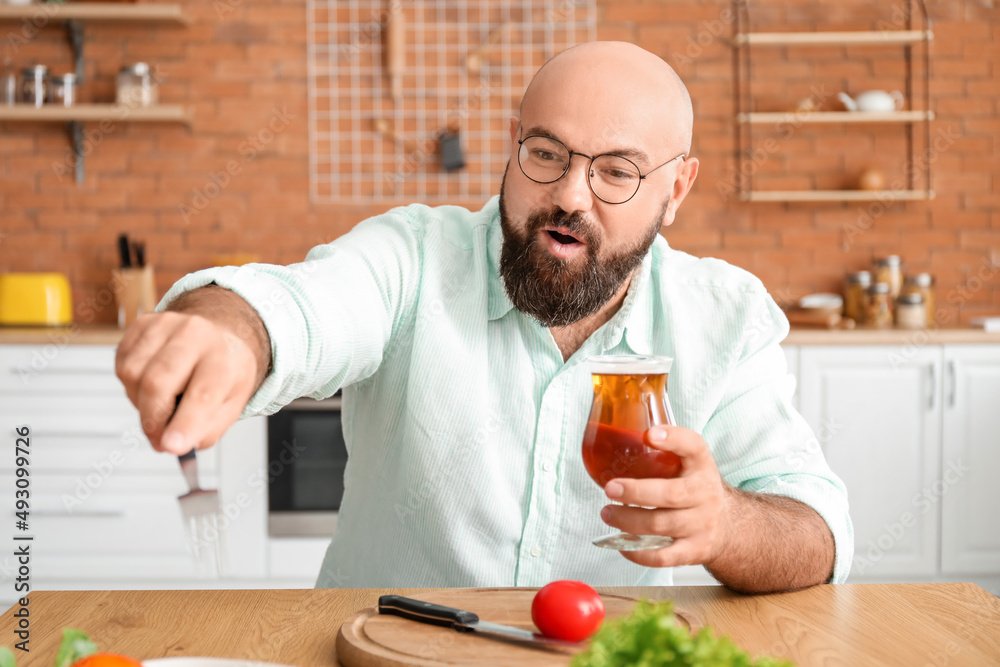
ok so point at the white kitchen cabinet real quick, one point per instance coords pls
(969, 488)
(876, 411)
(103, 505)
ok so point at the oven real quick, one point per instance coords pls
(307, 457)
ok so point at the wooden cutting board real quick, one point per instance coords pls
(369, 639)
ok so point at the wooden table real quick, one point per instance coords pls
(859, 624)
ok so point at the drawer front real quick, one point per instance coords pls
(55, 369)
(83, 434)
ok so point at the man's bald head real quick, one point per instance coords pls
(620, 86)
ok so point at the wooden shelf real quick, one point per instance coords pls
(873, 37)
(796, 117)
(913, 37)
(835, 195)
(89, 113)
(107, 12)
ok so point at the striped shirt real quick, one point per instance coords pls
(464, 424)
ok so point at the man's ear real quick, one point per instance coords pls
(686, 175)
(515, 124)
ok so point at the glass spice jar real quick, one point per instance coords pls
(33, 89)
(911, 312)
(922, 283)
(856, 297)
(62, 90)
(890, 271)
(879, 311)
(136, 86)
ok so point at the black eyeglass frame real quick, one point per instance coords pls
(590, 171)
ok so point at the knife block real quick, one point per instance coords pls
(135, 293)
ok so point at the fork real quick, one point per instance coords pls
(201, 510)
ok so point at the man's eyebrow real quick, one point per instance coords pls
(633, 154)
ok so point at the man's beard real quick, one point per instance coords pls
(552, 290)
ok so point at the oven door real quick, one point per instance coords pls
(306, 461)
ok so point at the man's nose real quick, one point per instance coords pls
(572, 192)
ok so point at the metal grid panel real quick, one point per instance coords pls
(350, 160)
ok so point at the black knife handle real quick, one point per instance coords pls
(123, 251)
(426, 612)
(193, 453)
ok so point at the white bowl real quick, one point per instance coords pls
(822, 300)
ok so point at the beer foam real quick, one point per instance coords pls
(629, 364)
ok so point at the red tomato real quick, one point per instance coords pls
(106, 660)
(569, 610)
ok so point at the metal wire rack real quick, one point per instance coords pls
(465, 66)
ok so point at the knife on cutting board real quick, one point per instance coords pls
(465, 621)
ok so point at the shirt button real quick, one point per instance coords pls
(547, 466)
(535, 552)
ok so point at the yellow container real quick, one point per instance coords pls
(35, 299)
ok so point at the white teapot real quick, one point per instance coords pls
(874, 100)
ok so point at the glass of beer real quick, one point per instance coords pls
(630, 396)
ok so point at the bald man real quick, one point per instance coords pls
(460, 339)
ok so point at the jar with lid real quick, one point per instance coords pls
(9, 87)
(922, 283)
(890, 271)
(62, 90)
(33, 89)
(911, 311)
(856, 298)
(136, 87)
(879, 311)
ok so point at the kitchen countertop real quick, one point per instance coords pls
(851, 624)
(71, 335)
(862, 336)
(111, 335)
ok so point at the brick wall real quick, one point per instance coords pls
(244, 61)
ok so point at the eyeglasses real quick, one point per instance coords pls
(612, 178)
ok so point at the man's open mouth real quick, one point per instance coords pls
(565, 239)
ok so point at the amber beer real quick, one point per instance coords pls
(630, 396)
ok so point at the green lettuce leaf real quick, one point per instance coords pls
(75, 645)
(6, 657)
(651, 637)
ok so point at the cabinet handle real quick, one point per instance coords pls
(930, 398)
(41, 433)
(952, 383)
(61, 370)
(57, 514)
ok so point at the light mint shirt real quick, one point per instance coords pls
(464, 425)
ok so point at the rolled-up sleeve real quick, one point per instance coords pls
(762, 444)
(331, 317)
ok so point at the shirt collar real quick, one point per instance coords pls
(638, 317)
(499, 303)
(633, 320)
